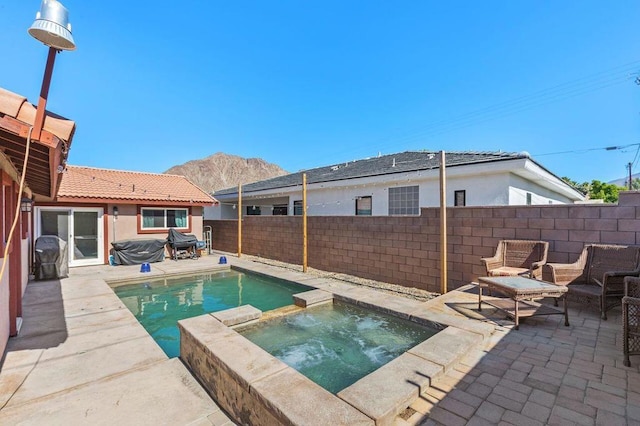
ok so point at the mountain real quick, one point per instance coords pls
(624, 181)
(221, 171)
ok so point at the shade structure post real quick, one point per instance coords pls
(443, 225)
(239, 220)
(304, 222)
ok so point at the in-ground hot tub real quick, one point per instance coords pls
(256, 388)
(336, 344)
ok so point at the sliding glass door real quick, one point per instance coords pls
(80, 227)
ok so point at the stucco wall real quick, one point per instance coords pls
(405, 250)
(485, 185)
(4, 312)
(125, 227)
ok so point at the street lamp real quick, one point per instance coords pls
(52, 28)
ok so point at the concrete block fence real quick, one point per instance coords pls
(406, 250)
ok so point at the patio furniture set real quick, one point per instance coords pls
(608, 274)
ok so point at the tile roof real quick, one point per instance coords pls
(46, 154)
(408, 161)
(105, 185)
(16, 106)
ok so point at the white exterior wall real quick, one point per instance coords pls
(519, 187)
(485, 184)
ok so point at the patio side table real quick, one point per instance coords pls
(520, 292)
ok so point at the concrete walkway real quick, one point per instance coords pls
(82, 358)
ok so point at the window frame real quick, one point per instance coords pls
(359, 199)
(280, 210)
(400, 194)
(457, 194)
(253, 210)
(297, 208)
(155, 230)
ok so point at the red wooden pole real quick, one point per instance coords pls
(44, 94)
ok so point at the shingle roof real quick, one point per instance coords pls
(408, 161)
(104, 185)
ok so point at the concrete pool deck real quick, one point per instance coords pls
(82, 358)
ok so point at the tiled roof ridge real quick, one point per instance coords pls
(139, 182)
(126, 171)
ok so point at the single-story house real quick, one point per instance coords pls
(400, 184)
(95, 207)
(46, 154)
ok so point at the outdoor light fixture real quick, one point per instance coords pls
(52, 28)
(115, 211)
(26, 204)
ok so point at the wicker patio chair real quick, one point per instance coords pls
(597, 274)
(517, 257)
(631, 318)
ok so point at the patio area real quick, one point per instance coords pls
(82, 358)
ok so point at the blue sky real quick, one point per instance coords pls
(311, 83)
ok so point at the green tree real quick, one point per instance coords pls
(604, 191)
(582, 187)
(597, 190)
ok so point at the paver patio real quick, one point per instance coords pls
(81, 358)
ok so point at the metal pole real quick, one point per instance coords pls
(239, 220)
(443, 225)
(630, 178)
(304, 222)
(38, 123)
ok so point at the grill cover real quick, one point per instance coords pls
(51, 258)
(178, 240)
(136, 252)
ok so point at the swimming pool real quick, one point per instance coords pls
(159, 304)
(336, 344)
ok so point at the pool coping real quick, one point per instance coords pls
(257, 388)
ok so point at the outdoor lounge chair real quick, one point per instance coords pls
(597, 274)
(631, 318)
(517, 257)
(181, 245)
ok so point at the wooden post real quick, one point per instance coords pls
(443, 225)
(239, 220)
(304, 222)
(38, 122)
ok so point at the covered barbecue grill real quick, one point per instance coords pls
(181, 245)
(136, 252)
(51, 258)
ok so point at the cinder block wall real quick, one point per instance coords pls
(406, 250)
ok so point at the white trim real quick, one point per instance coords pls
(99, 259)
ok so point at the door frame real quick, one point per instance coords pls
(99, 260)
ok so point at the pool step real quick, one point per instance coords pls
(312, 297)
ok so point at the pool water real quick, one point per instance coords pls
(160, 304)
(336, 344)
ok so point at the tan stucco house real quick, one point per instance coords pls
(95, 207)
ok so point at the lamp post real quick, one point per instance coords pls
(52, 28)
